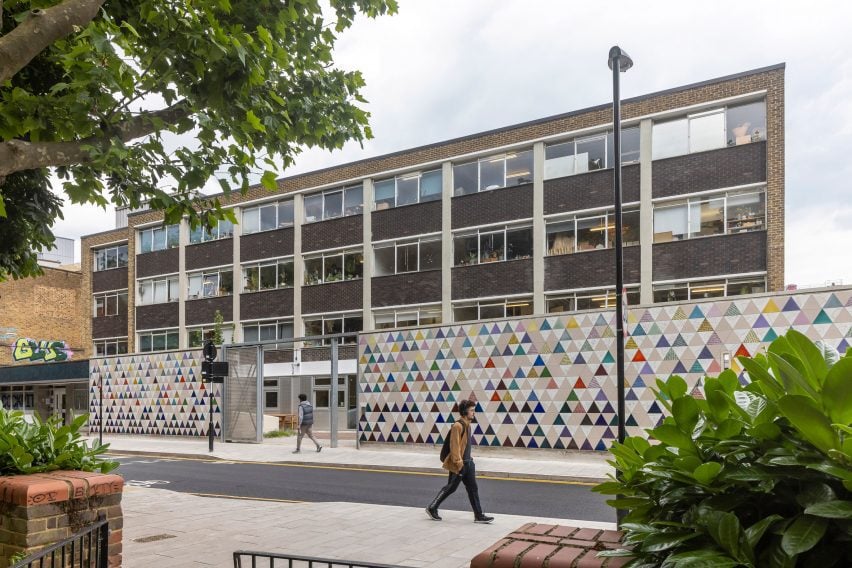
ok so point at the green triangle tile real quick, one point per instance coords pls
(822, 317)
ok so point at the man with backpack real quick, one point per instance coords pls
(457, 459)
(306, 423)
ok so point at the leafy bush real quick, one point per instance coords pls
(757, 475)
(279, 434)
(47, 446)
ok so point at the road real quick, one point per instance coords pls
(285, 482)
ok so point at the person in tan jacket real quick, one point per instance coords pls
(459, 463)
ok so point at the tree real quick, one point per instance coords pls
(133, 101)
(218, 321)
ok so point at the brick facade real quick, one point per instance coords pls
(710, 256)
(89, 277)
(267, 304)
(204, 310)
(334, 233)
(714, 169)
(407, 221)
(494, 206)
(105, 280)
(333, 297)
(157, 263)
(268, 244)
(213, 253)
(590, 269)
(49, 307)
(109, 326)
(493, 279)
(589, 190)
(411, 288)
(157, 316)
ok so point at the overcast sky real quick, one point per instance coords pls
(446, 68)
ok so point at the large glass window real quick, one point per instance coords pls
(222, 230)
(332, 325)
(589, 153)
(334, 267)
(270, 330)
(591, 232)
(268, 217)
(489, 245)
(707, 131)
(157, 290)
(109, 347)
(268, 275)
(210, 283)
(492, 309)
(682, 291)
(746, 123)
(110, 304)
(494, 172)
(670, 139)
(159, 238)
(732, 212)
(158, 340)
(109, 258)
(408, 189)
(588, 300)
(334, 203)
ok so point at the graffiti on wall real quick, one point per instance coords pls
(48, 351)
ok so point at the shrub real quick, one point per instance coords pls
(757, 475)
(279, 434)
(46, 445)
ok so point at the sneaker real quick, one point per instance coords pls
(433, 514)
(319, 449)
(297, 451)
(484, 520)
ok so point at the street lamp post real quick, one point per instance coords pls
(619, 62)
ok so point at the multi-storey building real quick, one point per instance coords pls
(508, 222)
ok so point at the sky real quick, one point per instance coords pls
(446, 68)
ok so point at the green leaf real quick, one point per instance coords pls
(673, 436)
(831, 510)
(837, 391)
(725, 529)
(269, 180)
(254, 121)
(660, 541)
(755, 532)
(705, 473)
(814, 493)
(791, 377)
(700, 559)
(809, 421)
(810, 355)
(676, 387)
(805, 532)
(685, 413)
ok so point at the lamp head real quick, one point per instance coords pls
(618, 54)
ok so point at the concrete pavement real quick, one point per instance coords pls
(167, 529)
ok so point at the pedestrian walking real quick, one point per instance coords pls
(306, 423)
(457, 458)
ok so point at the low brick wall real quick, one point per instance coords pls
(39, 510)
(551, 546)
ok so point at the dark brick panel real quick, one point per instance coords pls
(333, 233)
(337, 296)
(493, 279)
(109, 326)
(204, 310)
(493, 206)
(213, 253)
(324, 353)
(157, 316)
(278, 356)
(115, 279)
(590, 269)
(726, 167)
(589, 190)
(407, 221)
(268, 244)
(709, 256)
(268, 304)
(402, 289)
(159, 262)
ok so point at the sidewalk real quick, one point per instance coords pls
(179, 530)
(516, 463)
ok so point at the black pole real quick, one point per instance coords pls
(210, 425)
(101, 412)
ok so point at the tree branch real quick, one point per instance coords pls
(18, 155)
(41, 29)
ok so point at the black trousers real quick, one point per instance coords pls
(468, 477)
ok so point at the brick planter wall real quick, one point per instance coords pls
(550, 546)
(39, 510)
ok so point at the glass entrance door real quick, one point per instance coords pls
(347, 414)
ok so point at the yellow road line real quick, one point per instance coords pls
(366, 469)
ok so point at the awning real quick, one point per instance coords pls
(45, 372)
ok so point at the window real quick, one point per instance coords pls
(197, 336)
(158, 291)
(268, 217)
(488, 245)
(108, 347)
(725, 213)
(717, 128)
(210, 284)
(109, 258)
(594, 232)
(267, 331)
(589, 153)
(408, 189)
(268, 275)
(340, 202)
(408, 317)
(159, 238)
(110, 304)
(681, 291)
(408, 256)
(334, 267)
(331, 325)
(165, 340)
(492, 309)
(588, 300)
(223, 229)
(494, 172)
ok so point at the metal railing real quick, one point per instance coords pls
(251, 559)
(88, 548)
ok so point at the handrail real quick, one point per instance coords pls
(99, 559)
(254, 556)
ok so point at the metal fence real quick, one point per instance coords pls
(251, 559)
(88, 548)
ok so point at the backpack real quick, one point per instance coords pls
(445, 449)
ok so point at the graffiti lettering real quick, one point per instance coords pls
(48, 351)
